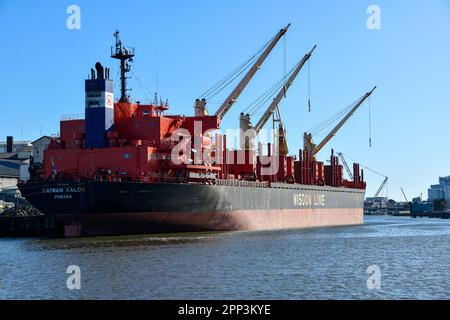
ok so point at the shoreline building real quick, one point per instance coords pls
(15, 160)
(15, 150)
(39, 146)
(441, 190)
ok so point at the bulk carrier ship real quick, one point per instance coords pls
(119, 170)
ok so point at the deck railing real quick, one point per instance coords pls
(239, 183)
(69, 117)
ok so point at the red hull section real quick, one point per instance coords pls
(254, 220)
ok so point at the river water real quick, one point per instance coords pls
(409, 259)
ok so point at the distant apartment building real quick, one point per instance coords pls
(441, 190)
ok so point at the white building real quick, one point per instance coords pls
(378, 202)
(441, 190)
(39, 147)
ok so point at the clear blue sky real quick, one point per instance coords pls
(193, 44)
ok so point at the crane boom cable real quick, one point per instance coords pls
(222, 84)
(265, 97)
(370, 123)
(141, 85)
(365, 167)
(242, 66)
(309, 85)
(284, 54)
(116, 82)
(260, 102)
(226, 82)
(270, 94)
(328, 122)
(255, 105)
(233, 97)
(283, 90)
(229, 78)
(342, 122)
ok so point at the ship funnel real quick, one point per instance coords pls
(100, 71)
(99, 109)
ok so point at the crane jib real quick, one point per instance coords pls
(232, 98)
(342, 122)
(262, 122)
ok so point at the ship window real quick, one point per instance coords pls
(145, 113)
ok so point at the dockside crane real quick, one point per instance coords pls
(385, 181)
(404, 195)
(245, 119)
(350, 174)
(315, 149)
(200, 105)
(347, 168)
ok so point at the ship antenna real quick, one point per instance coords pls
(157, 72)
(125, 55)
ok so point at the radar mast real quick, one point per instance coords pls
(125, 55)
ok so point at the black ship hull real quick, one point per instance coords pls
(107, 208)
